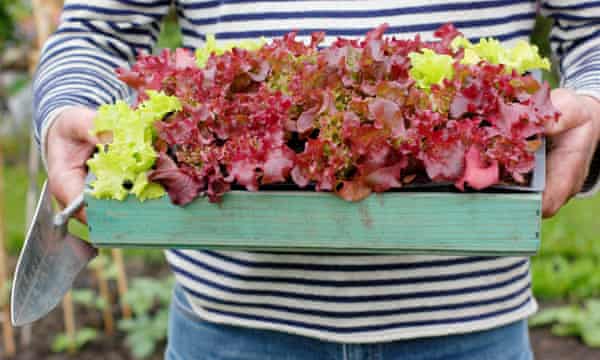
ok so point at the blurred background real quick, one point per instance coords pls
(118, 308)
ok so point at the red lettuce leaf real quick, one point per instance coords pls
(181, 183)
(478, 174)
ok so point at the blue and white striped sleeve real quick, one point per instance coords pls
(575, 40)
(94, 37)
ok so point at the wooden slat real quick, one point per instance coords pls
(45, 15)
(122, 286)
(411, 222)
(109, 327)
(69, 320)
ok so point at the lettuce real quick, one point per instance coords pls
(210, 47)
(429, 67)
(522, 57)
(120, 167)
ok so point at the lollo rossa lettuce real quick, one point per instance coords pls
(355, 117)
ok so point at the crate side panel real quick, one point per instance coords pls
(391, 221)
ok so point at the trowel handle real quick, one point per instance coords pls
(62, 217)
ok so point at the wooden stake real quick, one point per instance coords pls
(44, 11)
(7, 329)
(117, 256)
(109, 327)
(32, 194)
(69, 317)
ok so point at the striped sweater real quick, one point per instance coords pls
(347, 298)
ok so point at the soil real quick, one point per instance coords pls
(545, 345)
(549, 347)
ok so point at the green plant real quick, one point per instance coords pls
(63, 342)
(88, 298)
(170, 34)
(558, 277)
(149, 300)
(7, 20)
(11, 14)
(540, 36)
(573, 320)
(574, 232)
(15, 178)
(568, 264)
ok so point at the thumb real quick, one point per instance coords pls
(573, 113)
(76, 123)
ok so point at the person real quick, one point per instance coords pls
(245, 305)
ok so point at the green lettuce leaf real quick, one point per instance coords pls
(144, 189)
(130, 154)
(522, 57)
(429, 67)
(112, 169)
(210, 47)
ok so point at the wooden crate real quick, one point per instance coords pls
(394, 222)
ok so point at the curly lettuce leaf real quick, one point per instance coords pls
(429, 67)
(143, 189)
(156, 107)
(522, 57)
(108, 116)
(210, 47)
(525, 57)
(128, 157)
(112, 169)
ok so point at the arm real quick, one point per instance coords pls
(575, 40)
(573, 160)
(76, 74)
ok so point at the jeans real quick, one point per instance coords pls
(191, 338)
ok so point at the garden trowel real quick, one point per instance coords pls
(49, 261)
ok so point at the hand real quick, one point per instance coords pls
(573, 140)
(69, 145)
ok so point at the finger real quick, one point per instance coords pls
(77, 123)
(66, 186)
(565, 171)
(81, 215)
(572, 109)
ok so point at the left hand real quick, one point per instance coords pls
(573, 140)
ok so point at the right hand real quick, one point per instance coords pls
(69, 145)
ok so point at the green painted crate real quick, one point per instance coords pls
(393, 222)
